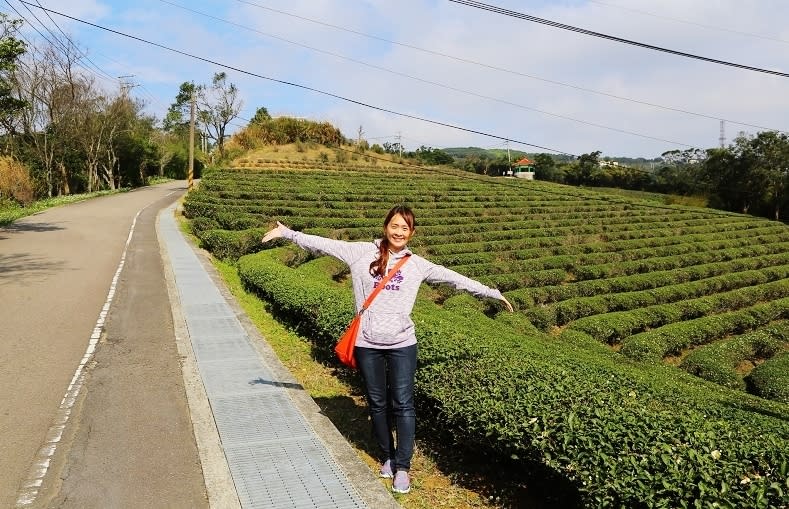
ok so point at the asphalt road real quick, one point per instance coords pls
(126, 440)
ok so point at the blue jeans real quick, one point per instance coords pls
(389, 386)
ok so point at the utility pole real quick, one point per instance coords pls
(722, 138)
(126, 84)
(400, 143)
(191, 140)
(509, 160)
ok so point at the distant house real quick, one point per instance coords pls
(523, 168)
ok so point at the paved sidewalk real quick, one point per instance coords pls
(263, 441)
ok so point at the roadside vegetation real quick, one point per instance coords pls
(11, 211)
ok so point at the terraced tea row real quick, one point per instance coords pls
(609, 277)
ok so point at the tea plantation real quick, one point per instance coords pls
(647, 363)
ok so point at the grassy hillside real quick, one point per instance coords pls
(647, 362)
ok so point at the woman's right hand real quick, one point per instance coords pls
(275, 233)
(507, 305)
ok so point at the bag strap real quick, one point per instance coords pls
(383, 282)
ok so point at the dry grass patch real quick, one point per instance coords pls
(307, 152)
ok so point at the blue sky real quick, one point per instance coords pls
(495, 74)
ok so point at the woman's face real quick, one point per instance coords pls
(398, 233)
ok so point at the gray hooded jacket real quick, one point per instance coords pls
(387, 323)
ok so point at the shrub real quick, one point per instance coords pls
(235, 221)
(201, 224)
(341, 156)
(15, 181)
(231, 245)
(717, 361)
(621, 433)
(619, 438)
(655, 344)
(771, 378)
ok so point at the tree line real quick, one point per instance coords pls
(750, 176)
(62, 133)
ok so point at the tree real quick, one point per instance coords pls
(731, 183)
(583, 171)
(768, 154)
(177, 119)
(433, 156)
(11, 49)
(687, 156)
(545, 168)
(219, 105)
(261, 116)
(56, 96)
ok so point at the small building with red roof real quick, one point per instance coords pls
(523, 168)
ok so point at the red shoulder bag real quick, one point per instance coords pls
(344, 349)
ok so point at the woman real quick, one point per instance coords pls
(386, 346)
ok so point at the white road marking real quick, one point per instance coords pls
(43, 457)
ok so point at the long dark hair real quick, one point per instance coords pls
(378, 267)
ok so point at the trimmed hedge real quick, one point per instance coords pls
(624, 436)
(227, 244)
(620, 325)
(653, 345)
(771, 379)
(717, 361)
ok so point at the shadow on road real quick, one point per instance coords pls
(25, 265)
(22, 227)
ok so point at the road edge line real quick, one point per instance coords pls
(31, 486)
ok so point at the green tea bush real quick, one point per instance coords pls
(620, 439)
(717, 361)
(575, 308)
(622, 433)
(771, 378)
(613, 327)
(228, 244)
(655, 344)
(201, 224)
(235, 221)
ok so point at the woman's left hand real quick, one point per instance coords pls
(507, 304)
(274, 233)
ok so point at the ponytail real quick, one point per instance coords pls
(378, 267)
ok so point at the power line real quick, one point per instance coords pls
(694, 23)
(63, 49)
(437, 84)
(73, 44)
(304, 87)
(571, 28)
(58, 42)
(83, 54)
(501, 69)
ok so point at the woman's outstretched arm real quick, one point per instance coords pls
(340, 249)
(434, 273)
